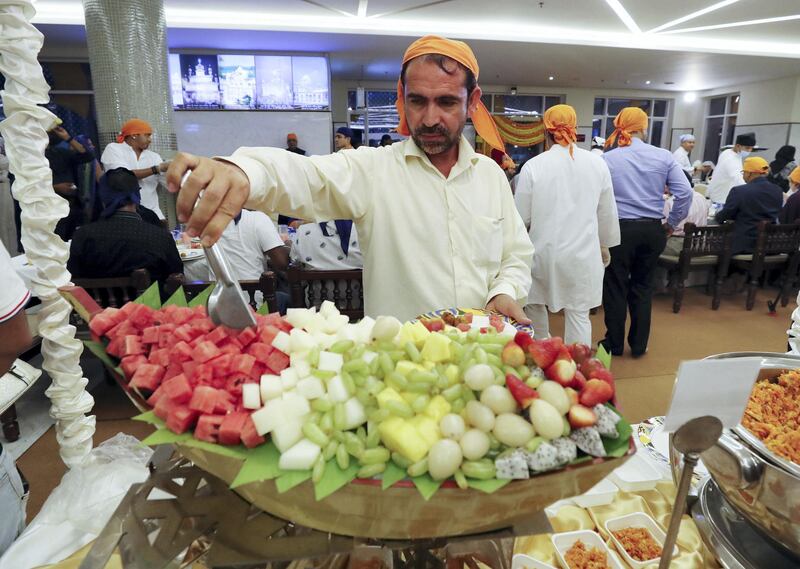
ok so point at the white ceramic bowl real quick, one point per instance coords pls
(636, 475)
(522, 561)
(637, 520)
(600, 494)
(562, 542)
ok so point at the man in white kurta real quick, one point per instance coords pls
(728, 172)
(131, 152)
(436, 221)
(565, 197)
(681, 154)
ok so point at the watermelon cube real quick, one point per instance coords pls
(160, 357)
(260, 351)
(277, 361)
(132, 345)
(147, 376)
(177, 388)
(224, 403)
(130, 363)
(186, 333)
(154, 398)
(204, 325)
(203, 373)
(181, 351)
(103, 322)
(250, 437)
(221, 365)
(180, 419)
(189, 367)
(242, 363)
(267, 334)
(230, 431)
(141, 316)
(230, 348)
(173, 369)
(204, 399)
(163, 406)
(150, 335)
(257, 371)
(182, 315)
(121, 329)
(114, 347)
(247, 337)
(218, 335)
(205, 351)
(207, 428)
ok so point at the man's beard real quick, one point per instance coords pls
(436, 147)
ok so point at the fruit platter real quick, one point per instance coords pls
(376, 428)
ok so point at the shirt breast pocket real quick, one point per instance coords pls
(487, 242)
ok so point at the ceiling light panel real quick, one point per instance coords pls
(693, 15)
(623, 15)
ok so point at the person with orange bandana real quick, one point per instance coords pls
(639, 173)
(436, 221)
(131, 151)
(565, 198)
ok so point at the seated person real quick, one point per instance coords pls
(791, 209)
(698, 214)
(121, 241)
(64, 160)
(327, 246)
(755, 201)
(706, 171)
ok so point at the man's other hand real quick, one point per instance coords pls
(507, 306)
(225, 190)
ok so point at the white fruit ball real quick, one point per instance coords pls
(452, 426)
(512, 430)
(480, 416)
(386, 328)
(546, 419)
(444, 459)
(499, 399)
(554, 394)
(478, 377)
(474, 444)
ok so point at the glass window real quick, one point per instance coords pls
(597, 127)
(486, 99)
(518, 104)
(381, 98)
(733, 106)
(599, 106)
(730, 128)
(713, 138)
(660, 108)
(609, 128)
(657, 132)
(551, 101)
(716, 106)
(616, 105)
(351, 100)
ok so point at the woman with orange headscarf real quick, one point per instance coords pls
(131, 151)
(564, 196)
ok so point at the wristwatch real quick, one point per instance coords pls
(154, 170)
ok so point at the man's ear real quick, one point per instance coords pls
(474, 99)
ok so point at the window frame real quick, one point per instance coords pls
(606, 119)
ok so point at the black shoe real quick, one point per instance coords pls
(605, 347)
(637, 355)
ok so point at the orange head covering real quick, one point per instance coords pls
(562, 123)
(629, 119)
(795, 176)
(461, 52)
(291, 136)
(134, 126)
(755, 165)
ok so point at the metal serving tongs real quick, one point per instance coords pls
(227, 304)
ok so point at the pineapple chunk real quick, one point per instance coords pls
(386, 395)
(419, 333)
(438, 408)
(437, 348)
(402, 437)
(409, 396)
(452, 374)
(404, 367)
(427, 428)
(405, 334)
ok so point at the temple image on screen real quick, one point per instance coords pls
(200, 81)
(237, 81)
(274, 82)
(175, 82)
(310, 82)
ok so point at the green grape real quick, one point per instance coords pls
(361, 433)
(342, 457)
(356, 366)
(420, 403)
(364, 397)
(326, 423)
(313, 433)
(377, 455)
(348, 382)
(493, 442)
(354, 447)
(400, 408)
(313, 417)
(457, 406)
(456, 350)
(385, 346)
(453, 393)
(319, 470)
(324, 375)
(418, 388)
(493, 339)
(397, 381)
(373, 435)
(374, 386)
(465, 364)
(524, 372)
(400, 460)
(386, 363)
(419, 376)
(313, 357)
(359, 379)
(330, 449)
(323, 405)
(480, 356)
(442, 382)
(492, 349)
(379, 415)
(339, 417)
(357, 353)
(412, 352)
(461, 480)
(375, 366)
(479, 469)
(371, 470)
(473, 334)
(418, 468)
(341, 346)
(508, 370)
(468, 395)
(494, 361)
(498, 373)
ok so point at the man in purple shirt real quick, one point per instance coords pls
(639, 173)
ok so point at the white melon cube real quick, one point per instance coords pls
(330, 361)
(282, 342)
(480, 322)
(294, 406)
(298, 317)
(301, 456)
(368, 356)
(337, 392)
(325, 340)
(335, 323)
(365, 330)
(354, 413)
(271, 386)
(287, 434)
(347, 332)
(328, 308)
(310, 388)
(289, 378)
(316, 323)
(268, 417)
(301, 367)
(251, 396)
(301, 341)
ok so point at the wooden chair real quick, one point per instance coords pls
(116, 291)
(308, 287)
(265, 285)
(776, 248)
(704, 248)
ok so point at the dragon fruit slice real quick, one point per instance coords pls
(512, 465)
(606, 421)
(566, 450)
(588, 440)
(545, 458)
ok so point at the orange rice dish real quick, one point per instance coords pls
(639, 543)
(773, 415)
(578, 557)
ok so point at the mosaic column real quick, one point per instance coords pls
(127, 42)
(25, 133)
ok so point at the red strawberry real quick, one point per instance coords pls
(544, 352)
(589, 366)
(562, 372)
(523, 340)
(579, 352)
(580, 416)
(433, 324)
(578, 381)
(513, 355)
(596, 391)
(523, 393)
(604, 375)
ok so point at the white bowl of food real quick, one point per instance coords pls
(638, 538)
(522, 561)
(583, 549)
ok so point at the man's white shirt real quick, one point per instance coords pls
(727, 174)
(122, 155)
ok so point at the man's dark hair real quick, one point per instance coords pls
(122, 180)
(445, 64)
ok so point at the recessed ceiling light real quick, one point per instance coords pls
(689, 97)
(693, 15)
(623, 15)
(550, 78)
(647, 82)
(669, 82)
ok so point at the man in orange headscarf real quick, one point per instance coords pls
(565, 198)
(639, 173)
(436, 221)
(131, 151)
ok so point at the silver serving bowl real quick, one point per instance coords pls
(762, 486)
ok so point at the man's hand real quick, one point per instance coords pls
(605, 255)
(225, 190)
(61, 133)
(507, 306)
(66, 189)
(163, 167)
(668, 229)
